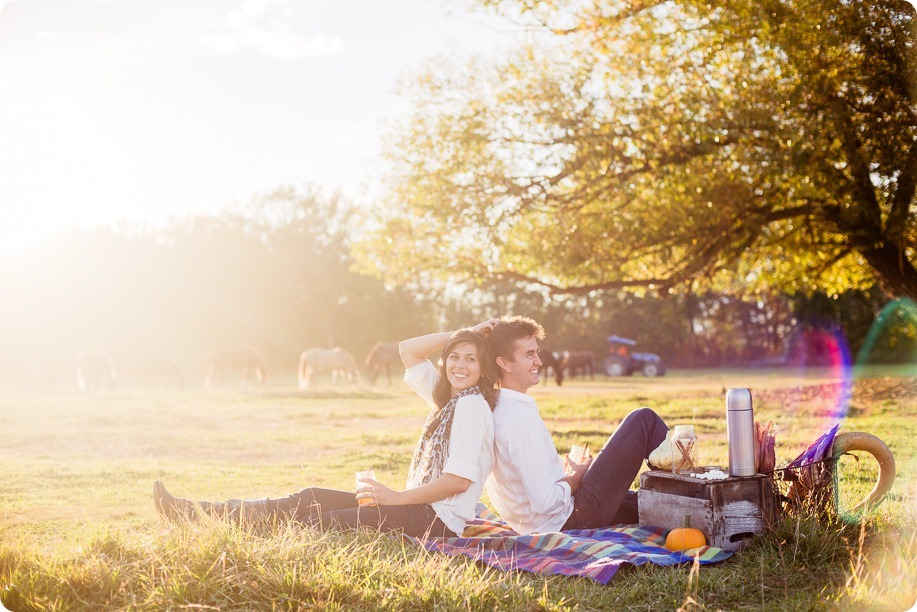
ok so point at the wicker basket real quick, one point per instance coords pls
(808, 490)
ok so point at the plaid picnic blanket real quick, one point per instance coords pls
(591, 553)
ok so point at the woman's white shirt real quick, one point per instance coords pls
(471, 447)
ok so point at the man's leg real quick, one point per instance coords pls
(628, 512)
(604, 498)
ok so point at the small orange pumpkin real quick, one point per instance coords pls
(685, 538)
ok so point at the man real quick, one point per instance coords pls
(531, 488)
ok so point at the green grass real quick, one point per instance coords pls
(78, 530)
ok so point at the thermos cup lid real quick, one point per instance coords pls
(738, 399)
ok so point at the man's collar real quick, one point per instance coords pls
(517, 396)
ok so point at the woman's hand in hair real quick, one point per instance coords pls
(485, 327)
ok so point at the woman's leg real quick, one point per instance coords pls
(313, 501)
(604, 498)
(307, 502)
(418, 520)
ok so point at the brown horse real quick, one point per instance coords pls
(246, 360)
(381, 358)
(335, 361)
(95, 372)
(581, 363)
(555, 362)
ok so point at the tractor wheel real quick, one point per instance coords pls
(653, 369)
(616, 366)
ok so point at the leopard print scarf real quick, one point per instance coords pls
(433, 447)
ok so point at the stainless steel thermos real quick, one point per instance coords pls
(740, 432)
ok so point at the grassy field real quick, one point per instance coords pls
(78, 530)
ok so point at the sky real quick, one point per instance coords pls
(138, 111)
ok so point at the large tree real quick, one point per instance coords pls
(656, 144)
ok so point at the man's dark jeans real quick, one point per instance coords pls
(604, 497)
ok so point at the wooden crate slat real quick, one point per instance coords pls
(728, 511)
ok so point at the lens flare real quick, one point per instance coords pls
(892, 338)
(820, 351)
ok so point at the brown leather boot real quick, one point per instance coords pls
(177, 508)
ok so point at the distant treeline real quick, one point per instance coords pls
(278, 275)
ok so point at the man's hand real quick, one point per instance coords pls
(575, 471)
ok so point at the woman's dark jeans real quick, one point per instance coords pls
(329, 508)
(604, 497)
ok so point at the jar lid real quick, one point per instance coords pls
(684, 429)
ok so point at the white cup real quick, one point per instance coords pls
(577, 453)
(362, 486)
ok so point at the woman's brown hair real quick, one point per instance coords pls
(442, 392)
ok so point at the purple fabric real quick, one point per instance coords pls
(818, 450)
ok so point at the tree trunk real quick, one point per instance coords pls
(895, 272)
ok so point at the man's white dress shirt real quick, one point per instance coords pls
(526, 486)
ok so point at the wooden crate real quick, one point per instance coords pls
(728, 511)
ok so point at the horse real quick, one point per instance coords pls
(95, 372)
(382, 357)
(556, 362)
(247, 360)
(581, 362)
(335, 361)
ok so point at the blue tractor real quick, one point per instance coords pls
(620, 360)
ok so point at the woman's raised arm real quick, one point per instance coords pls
(415, 350)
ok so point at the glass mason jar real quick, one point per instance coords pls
(684, 450)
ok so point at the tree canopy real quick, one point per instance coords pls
(664, 144)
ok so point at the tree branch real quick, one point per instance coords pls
(555, 289)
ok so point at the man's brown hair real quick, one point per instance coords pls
(503, 337)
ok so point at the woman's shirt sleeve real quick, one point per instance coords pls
(471, 425)
(422, 378)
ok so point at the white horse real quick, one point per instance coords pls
(335, 361)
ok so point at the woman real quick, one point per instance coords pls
(450, 463)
